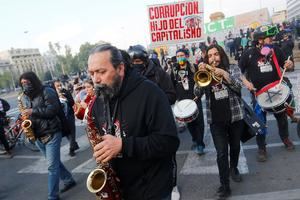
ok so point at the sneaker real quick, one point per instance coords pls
(194, 145)
(71, 153)
(8, 155)
(76, 146)
(288, 144)
(199, 150)
(223, 191)
(262, 155)
(175, 194)
(235, 174)
(68, 187)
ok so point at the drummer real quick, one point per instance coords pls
(183, 79)
(224, 114)
(261, 64)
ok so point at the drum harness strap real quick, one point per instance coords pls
(269, 86)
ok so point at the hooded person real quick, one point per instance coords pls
(135, 121)
(151, 70)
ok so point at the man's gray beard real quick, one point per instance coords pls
(109, 91)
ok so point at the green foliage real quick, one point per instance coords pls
(68, 63)
(6, 80)
(47, 76)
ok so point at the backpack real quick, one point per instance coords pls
(5, 105)
(65, 127)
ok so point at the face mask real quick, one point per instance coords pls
(266, 49)
(28, 88)
(181, 61)
(139, 67)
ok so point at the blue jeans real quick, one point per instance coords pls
(56, 169)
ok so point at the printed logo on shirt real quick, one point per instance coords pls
(220, 91)
(264, 65)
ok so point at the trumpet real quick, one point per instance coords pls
(204, 77)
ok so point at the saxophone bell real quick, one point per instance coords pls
(96, 180)
(26, 124)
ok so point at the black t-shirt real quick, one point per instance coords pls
(220, 108)
(261, 69)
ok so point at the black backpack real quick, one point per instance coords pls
(5, 105)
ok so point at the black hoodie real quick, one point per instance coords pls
(149, 139)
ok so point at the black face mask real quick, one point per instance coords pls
(139, 67)
(28, 89)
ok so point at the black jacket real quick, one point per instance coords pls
(156, 74)
(149, 139)
(45, 107)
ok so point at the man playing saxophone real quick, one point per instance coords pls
(143, 135)
(47, 129)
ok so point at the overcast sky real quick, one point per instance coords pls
(33, 23)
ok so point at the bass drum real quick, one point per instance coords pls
(185, 110)
(275, 99)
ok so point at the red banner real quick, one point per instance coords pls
(176, 22)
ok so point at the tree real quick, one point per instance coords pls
(82, 56)
(51, 48)
(47, 76)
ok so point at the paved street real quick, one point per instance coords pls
(25, 176)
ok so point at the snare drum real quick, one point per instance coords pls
(275, 99)
(186, 110)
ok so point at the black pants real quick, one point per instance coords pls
(283, 127)
(72, 135)
(196, 127)
(3, 139)
(224, 134)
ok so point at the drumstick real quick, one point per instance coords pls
(194, 99)
(283, 72)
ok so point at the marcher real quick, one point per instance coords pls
(143, 135)
(4, 107)
(67, 102)
(183, 80)
(46, 130)
(139, 57)
(261, 66)
(224, 114)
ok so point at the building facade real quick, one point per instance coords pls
(23, 60)
(293, 9)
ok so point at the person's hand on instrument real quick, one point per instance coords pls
(109, 148)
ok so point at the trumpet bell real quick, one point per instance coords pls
(96, 180)
(202, 78)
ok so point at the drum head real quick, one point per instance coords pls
(185, 108)
(274, 97)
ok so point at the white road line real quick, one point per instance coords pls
(278, 195)
(85, 167)
(13, 111)
(206, 164)
(40, 166)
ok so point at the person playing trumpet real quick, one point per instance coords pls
(224, 113)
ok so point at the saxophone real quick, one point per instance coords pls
(103, 180)
(26, 124)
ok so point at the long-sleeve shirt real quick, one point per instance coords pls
(236, 106)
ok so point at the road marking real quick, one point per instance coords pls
(85, 167)
(40, 166)
(13, 111)
(278, 195)
(206, 164)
